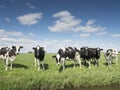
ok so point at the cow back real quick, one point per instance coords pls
(3, 51)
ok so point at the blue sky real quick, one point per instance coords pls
(59, 23)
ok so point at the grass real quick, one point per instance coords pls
(25, 76)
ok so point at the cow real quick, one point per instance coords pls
(90, 53)
(67, 53)
(39, 55)
(9, 54)
(110, 54)
(95, 55)
(84, 53)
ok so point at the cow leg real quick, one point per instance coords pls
(85, 63)
(6, 64)
(74, 63)
(38, 64)
(79, 62)
(116, 59)
(63, 66)
(89, 65)
(110, 61)
(11, 65)
(63, 63)
(35, 60)
(96, 63)
(43, 65)
(11, 59)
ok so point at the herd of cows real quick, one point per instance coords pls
(82, 55)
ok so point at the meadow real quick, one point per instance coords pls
(25, 76)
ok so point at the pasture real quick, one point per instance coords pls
(25, 76)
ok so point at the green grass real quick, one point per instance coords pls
(25, 76)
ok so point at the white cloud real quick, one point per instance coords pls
(90, 22)
(116, 35)
(7, 19)
(54, 45)
(85, 35)
(32, 34)
(30, 5)
(30, 19)
(67, 22)
(4, 33)
(9, 38)
(102, 33)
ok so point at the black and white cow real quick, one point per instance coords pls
(84, 53)
(39, 55)
(9, 54)
(95, 55)
(65, 53)
(110, 54)
(90, 53)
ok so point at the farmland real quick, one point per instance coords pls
(25, 75)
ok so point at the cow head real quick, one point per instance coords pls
(114, 51)
(98, 50)
(17, 49)
(86, 50)
(60, 55)
(37, 50)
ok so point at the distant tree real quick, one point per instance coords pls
(30, 52)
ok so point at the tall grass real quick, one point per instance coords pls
(25, 75)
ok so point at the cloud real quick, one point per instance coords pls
(85, 35)
(4, 33)
(30, 19)
(54, 45)
(9, 38)
(90, 27)
(116, 35)
(66, 22)
(32, 34)
(7, 19)
(102, 33)
(30, 5)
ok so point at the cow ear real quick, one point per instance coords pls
(33, 47)
(21, 46)
(101, 49)
(13, 46)
(42, 48)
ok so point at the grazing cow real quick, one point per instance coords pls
(39, 54)
(65, 53)
(9, 54)
(110, 54)
(90, 53)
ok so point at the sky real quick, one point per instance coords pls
(53, 24)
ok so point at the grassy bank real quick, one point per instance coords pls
(25, 76)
